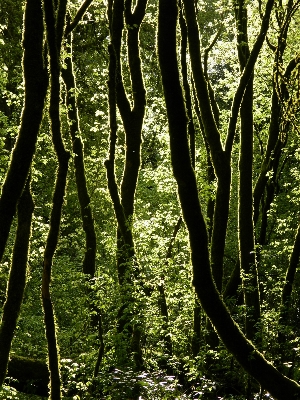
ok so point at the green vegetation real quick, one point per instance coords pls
(149, 205)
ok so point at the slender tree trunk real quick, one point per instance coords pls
(274, 144)
(17, 279)
(124, 230)
(211, 177)
(288, 286)
(162, 301)
(55, 25)
(246, 354)
(247, 251)
(89, 262)
(132, 118)
(186, 86)
(83, 196)
(101, 347)
(36, 83)
(196, 340)
(234, 282)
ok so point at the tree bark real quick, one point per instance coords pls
(162, 301)
(55, 26)
(89, 262)
(17, 279)
(244, 351)
(132, 118)
(186, 86)
(247, 251)
(36, 83)
(288, 285)
(274, 144)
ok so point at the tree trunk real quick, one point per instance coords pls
(162, 301)
(288, 286)
(246, 354)
(55, 26)
(89, 265)
(89, 262)
(36, 83)
(132, 120)
(17, 279)
(247, 251)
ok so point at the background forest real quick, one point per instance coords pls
(149, 211)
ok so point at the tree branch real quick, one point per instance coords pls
(80, 13)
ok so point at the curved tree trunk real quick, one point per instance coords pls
(287, 289)
(36, 83)
(246, 354)
(17, 279)
(89, 263)
(55, 26)
(245, 210)
(132, 118)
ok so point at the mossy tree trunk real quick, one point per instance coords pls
(17, 279)
(186, 86)
(244, 351)
(113, 188)
(192, 142)
(162, 300)
(266, 185)
(89, 262)
(278, 128)
(221, 155)
(132, 118)
(55, 22)
(247, 253)
(283, 322)
(36, 83)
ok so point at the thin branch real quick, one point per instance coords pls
(80, 13)
(246, 76)
(210, 47)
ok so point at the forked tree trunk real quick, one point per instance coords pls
(55, 26)
(132, 118)
(244, 351)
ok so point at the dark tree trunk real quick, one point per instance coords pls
(247, 355)
(83, 196)
(17, 279)
(36, 83)
(89, 262)
(132, 120)
(55, 26)
(196, 340)
(275, 143)
(162, 301)
(245, 210)
(101, 347)
(186, 86)
(211, 177)
(288, 287)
